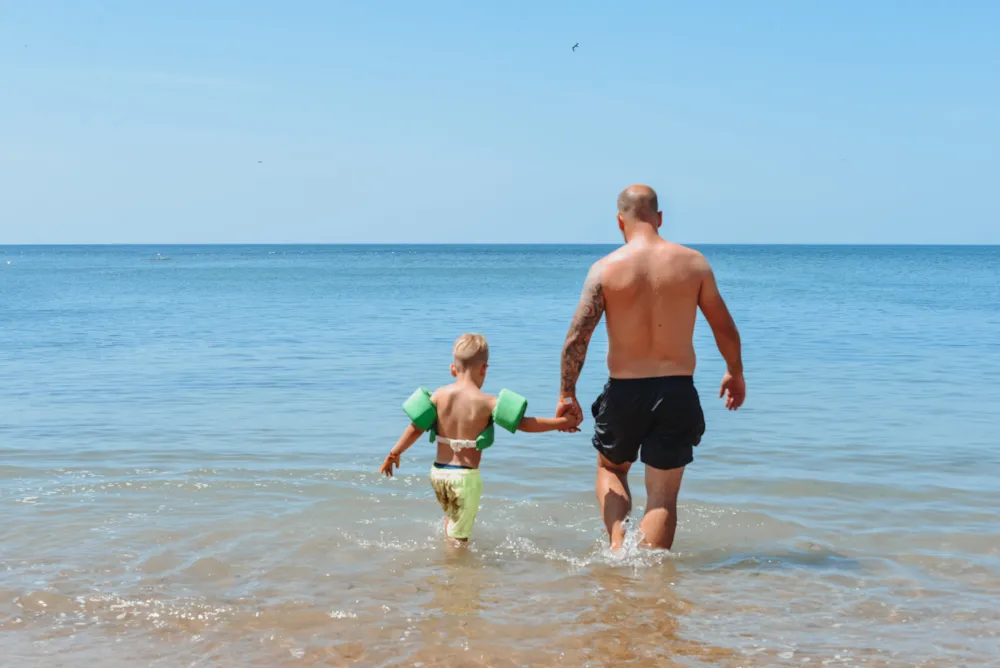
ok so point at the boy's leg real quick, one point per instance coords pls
(468, 490)
(447, 521)
(614, 496)
(452, 517)
(444, 491)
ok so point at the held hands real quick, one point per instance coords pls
(734, 388)
(569, 408)
(386, 468)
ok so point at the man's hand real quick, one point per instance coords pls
(734, 388)
(569, 407)
(386, 468)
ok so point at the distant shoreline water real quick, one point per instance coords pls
(188, 456)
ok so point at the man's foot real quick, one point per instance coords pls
(618, 534)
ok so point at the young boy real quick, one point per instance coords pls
(463, 412)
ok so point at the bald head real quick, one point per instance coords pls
(638, 203)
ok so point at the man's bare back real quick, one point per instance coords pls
(651, 290)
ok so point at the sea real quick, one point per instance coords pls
(190, 439)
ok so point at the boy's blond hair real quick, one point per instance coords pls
(471, 349)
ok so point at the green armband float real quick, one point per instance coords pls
(508, 413)
(485, 438)
(421, 411)
(509, 410)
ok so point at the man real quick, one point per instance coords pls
(651, 290)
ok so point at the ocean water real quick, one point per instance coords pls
(189, 439)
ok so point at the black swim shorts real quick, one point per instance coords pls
(662, 416)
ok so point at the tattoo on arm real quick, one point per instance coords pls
(585, 320)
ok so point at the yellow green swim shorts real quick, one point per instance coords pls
(458, 491)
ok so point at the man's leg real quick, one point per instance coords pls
(614, 496)
(660, 521)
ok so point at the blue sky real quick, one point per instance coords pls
(768, 122)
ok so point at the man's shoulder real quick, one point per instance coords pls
(616, 258)
(619, 254)
(681, 249)
(693, 258)
(596, 271)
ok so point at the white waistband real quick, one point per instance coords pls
(455, 443)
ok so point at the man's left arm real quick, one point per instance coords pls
(581, 329)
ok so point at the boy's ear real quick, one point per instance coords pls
(454, 371)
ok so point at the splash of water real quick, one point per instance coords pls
(632, 553)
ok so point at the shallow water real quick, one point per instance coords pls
(188, 450)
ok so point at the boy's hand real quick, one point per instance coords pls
(569, 408)
(570, 425)
(387, 465)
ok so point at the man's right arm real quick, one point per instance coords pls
(727, 337)
(588, 314)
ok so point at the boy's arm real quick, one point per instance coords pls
(534, 425)
(409, 437)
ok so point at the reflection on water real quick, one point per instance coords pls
(808, 556)
(210, 576)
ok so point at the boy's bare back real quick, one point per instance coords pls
(463, 412)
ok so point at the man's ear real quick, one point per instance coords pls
(659, 219)
(621, 223)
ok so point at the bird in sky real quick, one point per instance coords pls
(576, 45)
